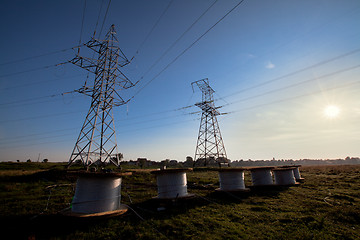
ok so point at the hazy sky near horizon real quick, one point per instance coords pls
(275, 67)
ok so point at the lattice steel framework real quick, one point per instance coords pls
(209, 143)
(97, 139)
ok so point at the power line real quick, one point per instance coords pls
(9, 140)
(244, 109)
(41, 116)
(82, 22)
(102, 26)
(31, 70)
(154, 26)
(173, 123)
(32, 99)
(297, 84)
(36, 56)
(256, 86)
(296, 72)
(139, 129)
(121, 120)
(38, 82)
(177, 40)
(98, 18)
(295, 97)
(251, 97)
(35, 134)
(186, 49)
(38, 102)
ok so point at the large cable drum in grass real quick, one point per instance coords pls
(296, 171)
(171, 183)
(97, 192)
(232, 179)
(261, 176)
(284, 176)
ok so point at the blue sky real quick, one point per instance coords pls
(274, 65)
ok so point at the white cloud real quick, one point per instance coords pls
(269, 65)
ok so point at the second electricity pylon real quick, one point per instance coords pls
(97, 139)
(209, 143)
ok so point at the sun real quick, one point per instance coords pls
(331, 111)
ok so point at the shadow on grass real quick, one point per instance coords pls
(51, 175)
(168, 208)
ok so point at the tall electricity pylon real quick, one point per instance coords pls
(97, 139)
(209, 143)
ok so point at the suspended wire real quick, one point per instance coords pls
(177, 40)
(121, 120)
(41, 116)
(102, 26)
(39, 82)
(296, 84)
(32, 144)
(31, 99)
(38, 138)
(295, 72)
(36, 102)
(98, 18)
(36, 134)
(33, 57)
(6, 139)
(133, 130)
(196, 119)
(186, 49)
(82, 22)
(153, 27)
(296, 97)
(276, 90)
(31, 70)
(244, 109)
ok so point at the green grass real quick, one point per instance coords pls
(325, 206)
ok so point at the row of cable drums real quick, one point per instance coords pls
(232, 179)
(97, 192)
(172, 183)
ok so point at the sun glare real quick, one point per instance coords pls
(331, 111)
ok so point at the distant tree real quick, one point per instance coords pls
(29, 160)
(17, 160)
(45, 160)
(141, 162)
(189, 162)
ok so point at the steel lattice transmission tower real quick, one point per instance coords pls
(97, 139)
(209, 143)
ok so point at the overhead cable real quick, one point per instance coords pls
(31, 70)
(299, 96)
(186, 49)
(36, 56)
(296, 72)
(154, 26)
(102, 26)
(178, 39)
(82, 22)
(37, 117)
(296, 84)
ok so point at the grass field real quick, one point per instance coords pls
(325, 206)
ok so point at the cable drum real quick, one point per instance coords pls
(94, 195)
(232, 180)
(171, 183)
(284, 176)
(296, 171)
(261, 176)
(297, 174)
